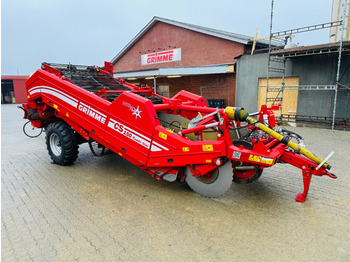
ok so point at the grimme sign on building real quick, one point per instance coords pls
(161, 57)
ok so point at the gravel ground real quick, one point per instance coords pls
(106, 209)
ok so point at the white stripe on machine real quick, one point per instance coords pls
(52, 91)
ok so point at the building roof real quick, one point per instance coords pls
(201, 29)
(7, 77)
(178, 71)
(312, 49)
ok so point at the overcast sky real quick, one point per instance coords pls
(90, 32)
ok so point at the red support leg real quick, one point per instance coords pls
(306, 179)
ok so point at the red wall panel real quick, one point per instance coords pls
(197, 49)
(20, 90)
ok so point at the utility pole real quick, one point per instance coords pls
(337, 84)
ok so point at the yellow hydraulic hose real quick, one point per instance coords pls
(239, 114)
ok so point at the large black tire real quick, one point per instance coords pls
(214, 184)
(62, 143)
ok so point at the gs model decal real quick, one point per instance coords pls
(135, 136)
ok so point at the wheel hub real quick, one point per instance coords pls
(252, 172)
(244, 174)
(55, 144)
(209, 177)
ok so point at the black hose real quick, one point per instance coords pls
(172, 124)
(291, 133)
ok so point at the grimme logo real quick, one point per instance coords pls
(160, 57)
(135, 111)
(91, 112)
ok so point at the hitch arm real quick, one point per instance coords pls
(308, 168)
(301, 197)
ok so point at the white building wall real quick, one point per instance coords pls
(339, 8)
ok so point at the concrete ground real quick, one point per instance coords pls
(105, 209)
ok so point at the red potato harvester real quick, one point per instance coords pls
(177, 138)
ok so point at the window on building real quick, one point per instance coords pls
(163, 90)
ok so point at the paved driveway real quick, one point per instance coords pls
(105, 209)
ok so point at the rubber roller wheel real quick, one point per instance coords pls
(213, 184)
(246, 176)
